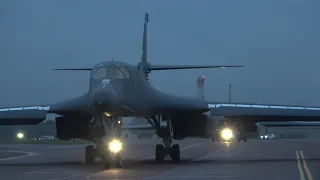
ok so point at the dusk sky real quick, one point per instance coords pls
(278, 42)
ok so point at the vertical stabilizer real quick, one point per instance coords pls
(144, 41)
(145, 67)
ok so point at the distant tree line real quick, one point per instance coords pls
(29, 131)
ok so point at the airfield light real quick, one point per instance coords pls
(107, 114)
(20, 135)
(115, 146)
(119, 122)
(226, 134)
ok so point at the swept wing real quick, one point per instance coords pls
(23, 115)
(264, 111)
(288, 124)
(32, 115)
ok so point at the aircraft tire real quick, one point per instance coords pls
(118, 161)
(160, 153)
(239, 138)
(106, 160)
(90, 154)
(106, 164)
(175, 153)
(245, 139)
(112, 161)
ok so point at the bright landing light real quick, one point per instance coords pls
(20, 135)
(115, 146)
(226, 134)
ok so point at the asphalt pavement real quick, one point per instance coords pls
(200, 159)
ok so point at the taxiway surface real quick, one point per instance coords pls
(255, 159)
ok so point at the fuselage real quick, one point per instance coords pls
(123, 90)
(118, 88)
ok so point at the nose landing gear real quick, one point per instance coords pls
(108, 147)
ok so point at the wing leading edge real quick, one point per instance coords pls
(244, 109)
(32, 115)
(27, 115)
(289, 124)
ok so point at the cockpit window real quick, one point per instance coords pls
(100, 73)
(125, 72)
(111, 73)
(115, 73)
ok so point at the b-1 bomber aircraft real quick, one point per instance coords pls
(118, 89)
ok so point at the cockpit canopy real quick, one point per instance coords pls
(110, 72)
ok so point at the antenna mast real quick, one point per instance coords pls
(230, 92)
(200, 85)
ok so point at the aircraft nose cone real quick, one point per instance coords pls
(106, 97)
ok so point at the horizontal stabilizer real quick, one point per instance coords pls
(74, 69)
(170, 67)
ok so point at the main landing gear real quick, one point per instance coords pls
(108, 146)
(242, 137)
(166, 149)
(173, 152)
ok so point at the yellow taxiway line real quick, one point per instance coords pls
(302, 166)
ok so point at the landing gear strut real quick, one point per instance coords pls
(242, 137)
(166, 149)
(242, 134)
(107, 133)
(90, 154)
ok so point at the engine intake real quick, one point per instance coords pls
(191, 125)
(71, 127)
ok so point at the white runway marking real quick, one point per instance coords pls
(68, 177)
(40, 171)
(66, 146)
(27, 154)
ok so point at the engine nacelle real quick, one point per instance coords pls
(192, 125)
(72, 127)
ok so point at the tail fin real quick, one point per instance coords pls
(144, 41)
(146, 67)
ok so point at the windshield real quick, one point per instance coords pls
(110, 73)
